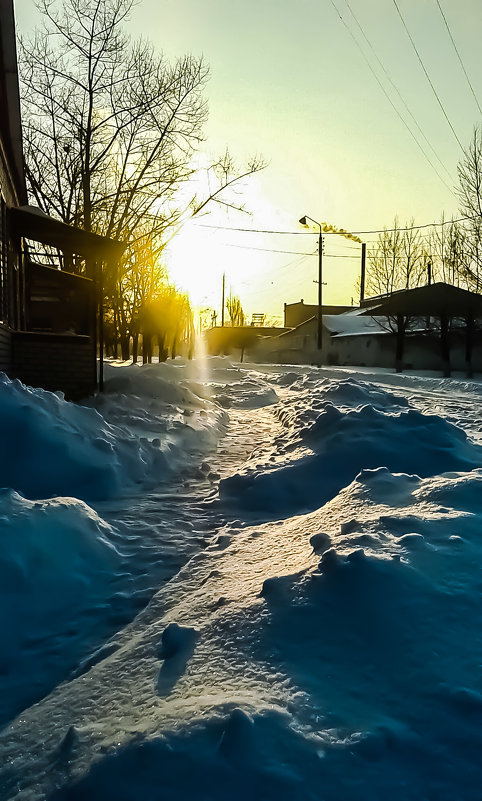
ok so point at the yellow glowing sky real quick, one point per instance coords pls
(288, 82)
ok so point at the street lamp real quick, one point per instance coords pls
(303, 221)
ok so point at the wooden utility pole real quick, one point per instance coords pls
(222, 306)
(362, 275)
(320, 290)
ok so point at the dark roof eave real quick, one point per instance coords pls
(32, 223)
(432, 300)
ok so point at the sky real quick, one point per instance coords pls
(290, 81)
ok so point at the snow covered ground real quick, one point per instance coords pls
(226, 581)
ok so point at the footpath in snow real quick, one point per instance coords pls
(223, 581)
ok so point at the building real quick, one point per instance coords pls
(229, 339)
(50, 317)
(300, 312)
(436, 327)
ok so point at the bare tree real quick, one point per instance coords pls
(396, 260)
(470, 177)
(470, 196)
(111, 130)
(235, 310)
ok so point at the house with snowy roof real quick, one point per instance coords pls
(436, 327)
(50, 316)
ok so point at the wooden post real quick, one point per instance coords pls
(445, 343)
(362, 275)
(222, 302)
(469, 340)
(91, 269)
(135, 346)
(101, 325)
(319, 335)
(400, 343)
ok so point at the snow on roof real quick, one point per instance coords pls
(352, 322)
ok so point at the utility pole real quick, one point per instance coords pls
(303, 221)
(320, 290)
(222, 307)
(362, 276)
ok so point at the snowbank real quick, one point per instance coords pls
(334, 654)
(353, 676)
(52, 447)
(57, 559)
(325, 446)
(152, 422)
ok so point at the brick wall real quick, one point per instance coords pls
(54, 362)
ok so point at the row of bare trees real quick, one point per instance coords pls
(111, 132)
(404, 256)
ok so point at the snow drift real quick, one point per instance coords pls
(331, 654)
(57, 560)
(324, 446)
(351, 673)
(52, 447)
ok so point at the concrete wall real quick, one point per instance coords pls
(54, 362)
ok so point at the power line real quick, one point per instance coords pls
(387, 74)
(266, 250)
(295, 252)
(255, 230)
(333, 233)
(459, 56)
(397, 111)
(427, 75)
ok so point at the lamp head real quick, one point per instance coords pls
(303, 221)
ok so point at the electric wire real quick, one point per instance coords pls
(397, 111)
(295, 252)
(334, 233)
(459, 56)
(395, 87)
(427, 75)
(266, 250)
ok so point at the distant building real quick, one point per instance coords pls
(436, 327)
(297, 313)
(226, 340)
(49, 322)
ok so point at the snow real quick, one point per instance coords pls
(324, 446)
(354, 322)
(56, 561)
(310, 624)
(145, 428)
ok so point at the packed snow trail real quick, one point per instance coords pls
(326, 644)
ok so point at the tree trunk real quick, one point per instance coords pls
(135, 347)
(161, 342)
(125, 347)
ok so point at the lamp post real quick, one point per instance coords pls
(303, 221)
